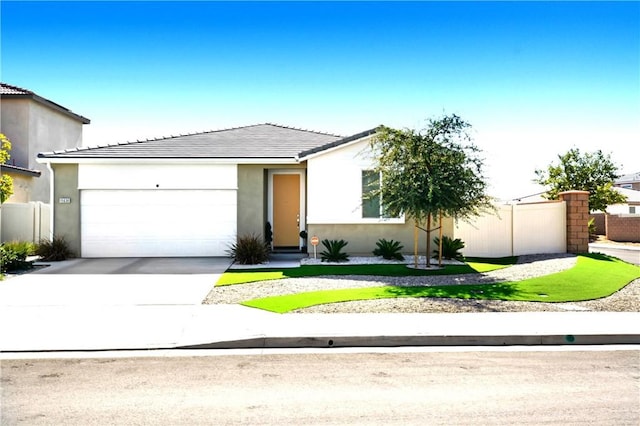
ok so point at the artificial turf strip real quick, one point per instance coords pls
(593, 277)
(387, 270)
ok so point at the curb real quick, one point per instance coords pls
(398, 341)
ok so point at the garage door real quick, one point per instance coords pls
(157, 223)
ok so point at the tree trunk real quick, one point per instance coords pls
(440, 241)
(428, 239)
(415, 245)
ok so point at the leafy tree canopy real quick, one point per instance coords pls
(6, 183)
(435, 170)
(590, 171)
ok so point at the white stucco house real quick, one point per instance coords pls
(632, 206)
(192, 195)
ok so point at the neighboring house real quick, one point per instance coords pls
(192, 195)
(632, 206)
(34, 124)
(23, 182)
(631, 181)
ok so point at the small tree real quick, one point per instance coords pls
(589, 171)
(437, 171)
(6, 183)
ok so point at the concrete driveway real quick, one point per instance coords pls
(121, 281)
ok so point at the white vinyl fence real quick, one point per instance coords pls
(515, 230)
(25, 221)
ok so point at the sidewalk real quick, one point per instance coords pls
(74, 328)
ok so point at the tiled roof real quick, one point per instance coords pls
(257, 141)
(8, 91)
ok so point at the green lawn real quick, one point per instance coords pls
(473, 265)
(593, 277)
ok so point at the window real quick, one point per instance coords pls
(632, 209)
(370, 202)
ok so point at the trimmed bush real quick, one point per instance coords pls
(333, 252)
(389, 249)
(249, 250)
(13, 256)
(54, 250)
(450, 248)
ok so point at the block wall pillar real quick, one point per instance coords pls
(577, 203)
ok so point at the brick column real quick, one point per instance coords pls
(577, 203)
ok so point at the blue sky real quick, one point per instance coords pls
(534, 79)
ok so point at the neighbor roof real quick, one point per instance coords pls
(630, 178)
(8, 168)
(8, 91)
(257, 141)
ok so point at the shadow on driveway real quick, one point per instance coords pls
(155, 265)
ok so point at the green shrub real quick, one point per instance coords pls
(333, 252)
(389, 249)
(249, 250)
(450, 248)
(592, 229)
(13, 256)
(54, 249)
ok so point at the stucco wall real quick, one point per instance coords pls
(66, 217)
(252, 196)
(15, 125)
(334, 188)
(362, 238)
(334, 185)
(21, 188)
(32, 128)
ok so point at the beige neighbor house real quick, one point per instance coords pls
(34, 124)
(23, 182)
(192, 195)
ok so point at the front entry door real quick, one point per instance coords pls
(286, 210)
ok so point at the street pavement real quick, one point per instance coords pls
(628, 253)
(149, 304)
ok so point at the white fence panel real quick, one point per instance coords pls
(515, 230)
(489, 235)
(25, 221)
(539, 228)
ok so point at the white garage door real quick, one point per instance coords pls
(157, 223)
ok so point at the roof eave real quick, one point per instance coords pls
(52, 159)
(7, 168)
(310, 153)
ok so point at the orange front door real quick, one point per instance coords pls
(286, 210)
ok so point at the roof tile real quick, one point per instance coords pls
(256, 141)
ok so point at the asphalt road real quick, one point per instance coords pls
(631, 256)
(595, 387)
